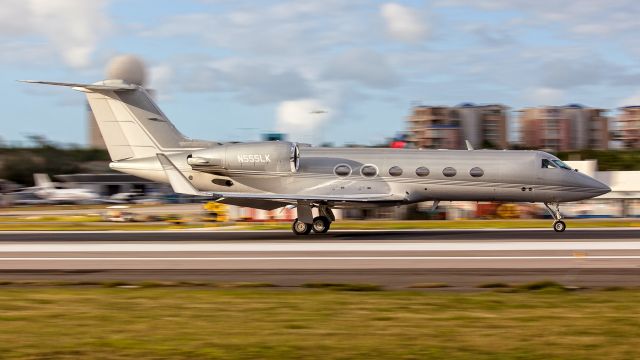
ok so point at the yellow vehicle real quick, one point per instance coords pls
(508, 211)
(215, 211)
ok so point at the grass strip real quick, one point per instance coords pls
(249, 323)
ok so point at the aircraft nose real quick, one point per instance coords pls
(604, 188)
(598, 187)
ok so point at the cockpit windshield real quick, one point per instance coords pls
(554, 164)
(561, 164)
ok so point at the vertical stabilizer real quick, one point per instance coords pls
(131, 123)
(42, 181)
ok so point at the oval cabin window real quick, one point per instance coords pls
(449, 171)
(395, 171)
(342, 170)
(369, 171)
(422, 171)
(476, 172)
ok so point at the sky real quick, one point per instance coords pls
(319, 70)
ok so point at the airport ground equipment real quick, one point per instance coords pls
(215, 211)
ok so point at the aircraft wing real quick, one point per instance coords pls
(310, 197)
(181, 185)
(98, 86)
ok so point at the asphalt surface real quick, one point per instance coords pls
(460, 258)
(603, 234)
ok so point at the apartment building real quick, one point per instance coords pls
(564, 128)
(629, 126)
(443, 127)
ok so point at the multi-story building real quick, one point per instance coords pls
(442, 127)
(564, 128)
(433, 127)
(629, 126)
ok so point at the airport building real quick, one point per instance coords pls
(442, 127)
(629, 126)
(622, 201)
(564, 128)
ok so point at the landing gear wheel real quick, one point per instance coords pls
(559, 226)
(300, 228)
(321, 224)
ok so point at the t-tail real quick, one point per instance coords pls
(43, 181)
(131, 123)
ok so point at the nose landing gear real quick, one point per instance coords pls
(558, 224)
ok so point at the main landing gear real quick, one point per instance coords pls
(319, 224)
(558, 224)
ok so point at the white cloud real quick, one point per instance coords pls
(403, 23)
(72, 29)
(542, 96)
(582, 18)
(632, 100)
(364, 66)
(160, 80)
(301, 117)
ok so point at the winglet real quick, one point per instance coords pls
(469, 146)
(178, 182)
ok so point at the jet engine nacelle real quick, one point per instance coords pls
(259, 156)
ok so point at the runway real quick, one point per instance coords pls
(601, 257)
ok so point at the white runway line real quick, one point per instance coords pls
(333, 258)
(315, 247)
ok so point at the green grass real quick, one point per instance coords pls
(209, 323)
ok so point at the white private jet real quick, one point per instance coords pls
(52, 193)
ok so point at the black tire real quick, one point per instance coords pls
(321, 224)
(559, 226)
(300, 228)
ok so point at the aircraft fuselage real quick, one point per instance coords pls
(417, 175)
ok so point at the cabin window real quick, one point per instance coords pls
(476, 172)
(395, 171)
(547, 164)
(369, 171)
(449, 172)
(422, 171)
(342, 170)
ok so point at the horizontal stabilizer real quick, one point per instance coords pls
(111, 85)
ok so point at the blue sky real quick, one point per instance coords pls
(230, 70)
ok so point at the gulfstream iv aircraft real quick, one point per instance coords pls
(269, 175)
